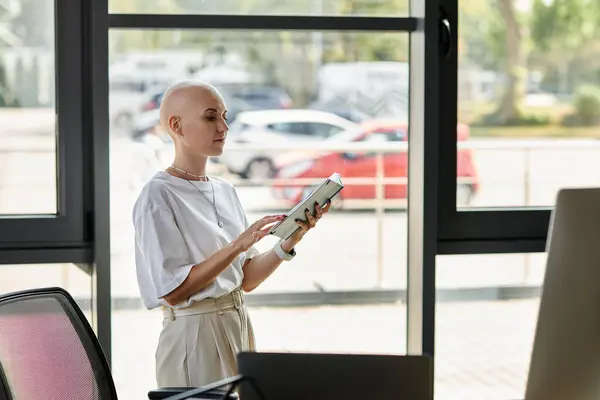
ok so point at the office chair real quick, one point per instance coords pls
(48, 350)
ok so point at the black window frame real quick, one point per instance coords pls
(64, 236)
(474, 231)
(79, 232)
(422, 23)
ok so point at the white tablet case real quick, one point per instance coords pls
(328, 189)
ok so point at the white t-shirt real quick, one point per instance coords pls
(176, 228)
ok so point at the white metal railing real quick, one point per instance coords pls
(526, 149)
(379, 150)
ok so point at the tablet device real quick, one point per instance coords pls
(324, 192)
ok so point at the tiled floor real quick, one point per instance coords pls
(482, 347)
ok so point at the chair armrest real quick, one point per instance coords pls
(165, 392)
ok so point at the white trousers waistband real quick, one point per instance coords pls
(234, 299)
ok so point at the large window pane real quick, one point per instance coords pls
(78, 283)
(346, 89)
(264, 7)
(486, 314)
(529, 88)
(27, 108)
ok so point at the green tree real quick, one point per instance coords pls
(563, 24)
(480, 35)
(562, 33)
(494, 34)
(509, 111)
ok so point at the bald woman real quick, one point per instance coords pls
(194, 246)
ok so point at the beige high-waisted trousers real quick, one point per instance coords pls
(199, 344)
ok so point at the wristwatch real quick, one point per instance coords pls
(282, 254)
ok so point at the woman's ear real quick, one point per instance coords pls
(175, 125)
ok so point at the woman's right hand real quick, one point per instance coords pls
(256, 232)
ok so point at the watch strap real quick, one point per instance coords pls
(282, 254)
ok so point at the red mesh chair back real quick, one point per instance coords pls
(48, 351)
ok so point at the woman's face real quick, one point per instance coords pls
(202, 123)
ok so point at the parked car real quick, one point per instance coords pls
(344, 111)
(126, 102)
(259, 96)
(275, 126)
(364, 165)
(153, 100)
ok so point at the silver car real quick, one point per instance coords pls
(252, 129)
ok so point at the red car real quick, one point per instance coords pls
(364, 165)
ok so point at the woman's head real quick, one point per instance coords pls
(195, 116)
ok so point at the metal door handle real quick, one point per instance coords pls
(446, 36)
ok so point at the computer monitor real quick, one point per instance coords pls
(565, 361)
(295, 376)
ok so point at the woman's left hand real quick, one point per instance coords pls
(311, 219)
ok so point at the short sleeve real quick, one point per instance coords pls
(163, 249)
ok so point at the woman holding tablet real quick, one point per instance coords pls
(194, 246)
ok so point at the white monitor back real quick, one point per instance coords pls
(565, 362)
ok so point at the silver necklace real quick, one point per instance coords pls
(213, 202)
